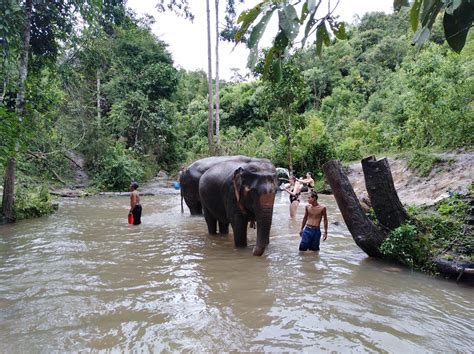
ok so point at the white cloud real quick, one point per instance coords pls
(188, 41)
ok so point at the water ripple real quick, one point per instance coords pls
(82, 281)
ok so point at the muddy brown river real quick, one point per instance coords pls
(84, 280)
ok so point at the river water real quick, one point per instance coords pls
(83, 279)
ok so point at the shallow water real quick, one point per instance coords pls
(83, 279)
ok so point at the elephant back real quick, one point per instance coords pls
(190, 177)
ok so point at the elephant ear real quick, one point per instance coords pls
(237, 181)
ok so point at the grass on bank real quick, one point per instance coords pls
(433, 232)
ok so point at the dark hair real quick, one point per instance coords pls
(309, 173)
(134, 185)
(314, 195)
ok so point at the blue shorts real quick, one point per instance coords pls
(310, 238)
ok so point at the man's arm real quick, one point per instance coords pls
(305, 218)
(325, 219)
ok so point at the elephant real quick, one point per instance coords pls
(189, 179)
(236, 192)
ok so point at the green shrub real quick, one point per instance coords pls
(349, 150)
(436, 231)
(422, 163)
(32, 202)
(118, 169)
(408, 246)
(454, 207)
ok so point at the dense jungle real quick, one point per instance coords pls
(380, 111)
(103, 96)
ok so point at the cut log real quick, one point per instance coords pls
(382, 194)
(364, 232)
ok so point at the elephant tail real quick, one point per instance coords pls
(182, 208)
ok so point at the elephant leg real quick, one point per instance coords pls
(239, 226)
(211, 222)
(223, 227)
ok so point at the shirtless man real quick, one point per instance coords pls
(310, 228)
(135, 207)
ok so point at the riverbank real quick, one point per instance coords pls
(439, 238)
(453, 174)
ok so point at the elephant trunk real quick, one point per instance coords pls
(264, 224)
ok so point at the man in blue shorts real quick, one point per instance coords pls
(310, 228)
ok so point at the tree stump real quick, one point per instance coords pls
(382, 193)
(364, 232)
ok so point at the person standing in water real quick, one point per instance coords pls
(310, 227)
(308, 180)
(294, 190)
(135, 207)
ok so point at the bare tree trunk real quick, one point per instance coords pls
(365, 234)
(218, 138)
(210, 126)
(23, 64)
(382, 193)
(9, 191)
(290, 156)
(98, 98)
(9, 180)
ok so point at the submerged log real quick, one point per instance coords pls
(364, 232)
(382, 193)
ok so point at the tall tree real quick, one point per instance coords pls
(9, 180)
(41, 27)
(218, 139)
(210, 115)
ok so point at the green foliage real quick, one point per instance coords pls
(31, 202)
(368, 94)
(117, 168)
(443, 232)
(255, 20)
(422, 163)
(454, 207)
(406, 245)
(349, 150)
(435, 232)
(457, 20)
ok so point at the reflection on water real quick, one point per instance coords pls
(83, 279)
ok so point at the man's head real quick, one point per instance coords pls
(134, 186)
(314, 196)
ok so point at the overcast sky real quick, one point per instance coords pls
(188, 41)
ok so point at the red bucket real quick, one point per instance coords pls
(130, 218)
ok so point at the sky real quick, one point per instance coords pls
(187, 41)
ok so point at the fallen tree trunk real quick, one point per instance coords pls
(459, 270)
(364, 232)
(382, 193)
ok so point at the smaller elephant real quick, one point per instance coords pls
(236, 193)
(190, 176)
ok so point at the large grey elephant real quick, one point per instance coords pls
(237, 192)
(189, 179)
